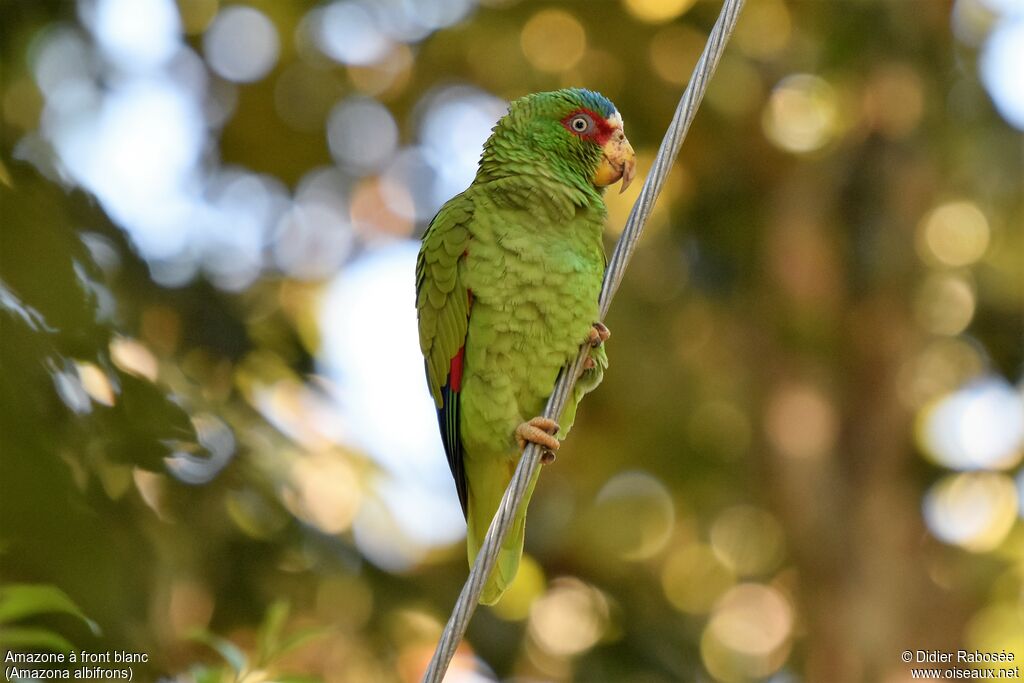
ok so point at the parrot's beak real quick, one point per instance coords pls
(618, 161)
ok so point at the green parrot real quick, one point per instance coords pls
(507, 285)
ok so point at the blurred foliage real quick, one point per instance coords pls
(762, 489)
(24, 601)
(271, 647)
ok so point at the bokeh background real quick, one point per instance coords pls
(217, 446)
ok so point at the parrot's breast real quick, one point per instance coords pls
(535, 283)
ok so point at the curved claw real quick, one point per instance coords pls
(598, 334)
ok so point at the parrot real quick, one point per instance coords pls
(508, 278)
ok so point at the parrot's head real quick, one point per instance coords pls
(575, 134)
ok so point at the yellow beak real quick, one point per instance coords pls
(619, 161)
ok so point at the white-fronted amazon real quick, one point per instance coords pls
(507, 285)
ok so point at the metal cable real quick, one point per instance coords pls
(455, 629)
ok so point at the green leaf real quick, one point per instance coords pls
(231, 653)
(207, 674)
(300, 638)
(27, 636)
(18, 601)
(270, 631)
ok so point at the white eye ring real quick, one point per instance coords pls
(579, 124)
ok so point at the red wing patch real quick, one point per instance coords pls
(455, 371)
(455, 367)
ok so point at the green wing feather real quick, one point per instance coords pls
(442, 305)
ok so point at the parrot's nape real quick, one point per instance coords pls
(507, 286)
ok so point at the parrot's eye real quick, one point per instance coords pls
(581, 123)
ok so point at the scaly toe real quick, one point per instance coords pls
(539, 430)
(545, 424)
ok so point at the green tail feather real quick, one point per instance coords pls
(482, 506)
(507, 566)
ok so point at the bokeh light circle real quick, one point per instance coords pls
(764, 29)
(673, 51)
(137, 34)
(633, 516)
(657, 11)
(1001, 57)
(361, 133)
(945, 303)
(553, 40)
(748, 540)
(324, 491)
(312, 240)
(800, 421)
(953, 234)
(693, 578)
(980, 425)
(348, 32)
(974, 510)
(748, 635)
(241, 45)
(569, 619)
(802, 114)
(526, 588)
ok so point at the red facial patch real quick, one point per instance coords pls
(601, 132)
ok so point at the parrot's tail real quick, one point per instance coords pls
(482, 506)
(505, 568)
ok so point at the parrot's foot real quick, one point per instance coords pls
(589, 363)
(598, 334)
(539, 430)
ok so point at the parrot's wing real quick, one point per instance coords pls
(442, 304)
